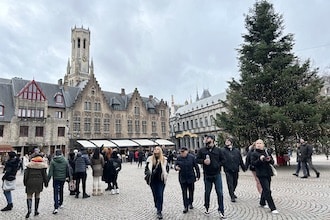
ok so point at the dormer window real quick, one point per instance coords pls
(2, 110)
(59, 98)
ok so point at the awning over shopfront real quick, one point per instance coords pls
(185, 133)
(5, 148)
(164, 142)
(86, 144)
(125, 143)
(105, 143)
(144, 142)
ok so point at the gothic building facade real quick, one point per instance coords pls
(52, 116)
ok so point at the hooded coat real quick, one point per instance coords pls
(59, 168)
(35, 176)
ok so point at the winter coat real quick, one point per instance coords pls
(233, 159)
(216, 157)
(248, 164)
(187, 166)
(59, 168)
(97, 166)
(81, 163)
(262, 167)
(35, 177)
(158, 173)
(11, 167)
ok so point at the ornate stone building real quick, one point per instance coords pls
(51, 116)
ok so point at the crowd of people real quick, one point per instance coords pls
(106, 164)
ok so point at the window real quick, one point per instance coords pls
(191, 124)
(183, 126)
(87, 106)
(1, 130)
(118, 126)
(59, 99)
(30, 113)
(97, 106)
(163, 127)
(76, 123)
(2, 110)
(196, 123)
(61, 131)
(32, 92)
(144, 127)
(206, 122)
(162, 113)
(97, 124)
(39, 131)
(129, 126)
(59, 114)
(137, 126)
(201, 122)
(87, 124)
(23, 131)
(137, 110)
(153, 127)
(78, 42)
(106, 124)
(84, 44)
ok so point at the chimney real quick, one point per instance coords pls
(122, 92)
(60, 82)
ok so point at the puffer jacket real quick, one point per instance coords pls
(11, 167)
(35, 177)
(58, 168)
(81, 163)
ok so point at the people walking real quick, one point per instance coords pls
(97, 164)
(72, 182)
(35, 177)
(233, 160)
(248, 165)
(300, 163)
(306, 158)
(189, 173)
(115, 167)
(212, 158)
(81, 163)
(59, 170)
(261, 160)
(157, 168)
(9, 179)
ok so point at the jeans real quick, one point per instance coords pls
(81, 176)
(266, 194)
(8, 196)
(58, 193)
(232, 179)
(157, 189)
(208, 181)
(187, 188)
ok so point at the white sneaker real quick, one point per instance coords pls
(222, 216)
(61, 207)
(265, 206)
(112, 191)
(117, 191)
(275, 212)
(55, 211)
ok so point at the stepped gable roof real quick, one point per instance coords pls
(6, 99)
(202, 103)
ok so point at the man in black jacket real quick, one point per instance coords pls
(306, 158)
(188, 173)
(233, 159)
(211, 157)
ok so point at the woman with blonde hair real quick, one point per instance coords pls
(157, 168)
(248, 165)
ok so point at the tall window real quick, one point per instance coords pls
(61, 131)
(191, 124)
(39, 131)
(1, 130)
(78, 42)
(118, 126)
(136, 110)
(106, 123)
(129, 126)
(153, 127)
(144, 127)
(76, 123)
(206, 122)
(97, 106)
(2, 110)
(87, 106)
(163, 125)
(201, 122)
(23, 131)
(162, 113)
(196, 123)
(137, 126)
(97, 124)
(59, 99)
(87, 125)
(59, 114)
(84, 43)
(183, 126)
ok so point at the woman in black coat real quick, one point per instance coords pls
(11, 167)
(261, 160)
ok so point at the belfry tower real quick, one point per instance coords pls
(78, 68)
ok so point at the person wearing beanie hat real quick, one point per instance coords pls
(10, 168)
(35, 177)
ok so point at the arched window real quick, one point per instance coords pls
(59, 98)
(78, 42)
(2, 110)
(84, 43)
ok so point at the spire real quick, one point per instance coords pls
(92, 67)
(197, 97)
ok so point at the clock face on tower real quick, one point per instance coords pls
(84, 58)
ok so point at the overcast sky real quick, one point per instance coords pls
(163, 48)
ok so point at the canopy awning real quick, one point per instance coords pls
(144, 142)
(125, 143)
(164, 142)
(86, 144)
(105, 143)
(186, 133)
(5, 148)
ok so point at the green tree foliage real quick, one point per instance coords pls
(277, 95)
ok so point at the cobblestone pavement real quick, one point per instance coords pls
(294, 197)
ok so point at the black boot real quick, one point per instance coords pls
(36, 206)
(8, 207)
(29, 205)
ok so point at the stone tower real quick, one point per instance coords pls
(78, 68)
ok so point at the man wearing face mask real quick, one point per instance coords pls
(211, 157)
(231, 166)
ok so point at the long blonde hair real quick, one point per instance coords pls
(161, 157)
